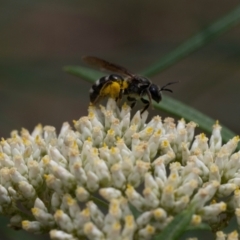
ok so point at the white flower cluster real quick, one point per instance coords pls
(117, 178)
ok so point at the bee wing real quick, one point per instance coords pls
(105, 65)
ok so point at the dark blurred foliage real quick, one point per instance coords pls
(38, 38)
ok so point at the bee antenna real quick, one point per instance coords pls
(167, 89)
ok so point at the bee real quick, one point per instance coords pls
(123, 82)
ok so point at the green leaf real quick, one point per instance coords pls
(194, 43)
(176, 228)
(85, 73)
(168, 104)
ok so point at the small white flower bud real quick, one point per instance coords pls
(167, 198)
(233, 235)
(35, 173)
(34, 226)
(4, 197)
(216, 138)
(26, 190)
(56, 156)
(220, 235)
(5, 161)
(49, 133)
(61, 235)
(226, 189)
(92, 182)
(97, 136)
(134, 197)
(63, 221)
(231, 145)
(92, 232)
(151, 199)
(214, 174)
(209, 212)
(79, 174)
(110, 193)
(144, 219)
(53, 183)
(16, 177)
(129, 227)
(82, 194)
(205, 194)
(187, 188)
(147, 232)
(110, 138)
(159, 214)
(55, 201)
(43, 217)
(96, 215)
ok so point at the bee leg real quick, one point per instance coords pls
(133, 100)
(119, 98)
(147, 103)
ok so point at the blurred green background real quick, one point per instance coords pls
(39, 38)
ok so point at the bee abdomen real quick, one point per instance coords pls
(99, 85)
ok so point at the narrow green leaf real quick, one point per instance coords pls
(176, 228)
(194, 43)
(85, 73)
(168, 104)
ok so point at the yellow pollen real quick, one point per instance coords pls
(58, 213)
(71, 201)
(111, 132)
(125, 106)
(119, 140)
(25, 224)
(91, 115)
(236, 139)
(203, 136)
(113, 150)
(74, 122)
(48, 177)
(116, 226)
(35, 211)
(147, 191)
(46, 160)
(129, 220)
(89, 139)
(182, 120)
(233, 235)
(196, 219)
(157, 213)
(150, 229)
(105, 145)
(169, 189)
(149, 130)
(86, 212)
(165, 143)
(95, 151)
(158, 132)
(223, 206)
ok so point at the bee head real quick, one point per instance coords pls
(156, 91)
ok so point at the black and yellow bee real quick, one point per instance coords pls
(124, 83)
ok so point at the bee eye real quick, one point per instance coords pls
(155, 93)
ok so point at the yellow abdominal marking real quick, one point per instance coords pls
(113, 90)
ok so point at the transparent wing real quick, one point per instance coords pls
(105, 65)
